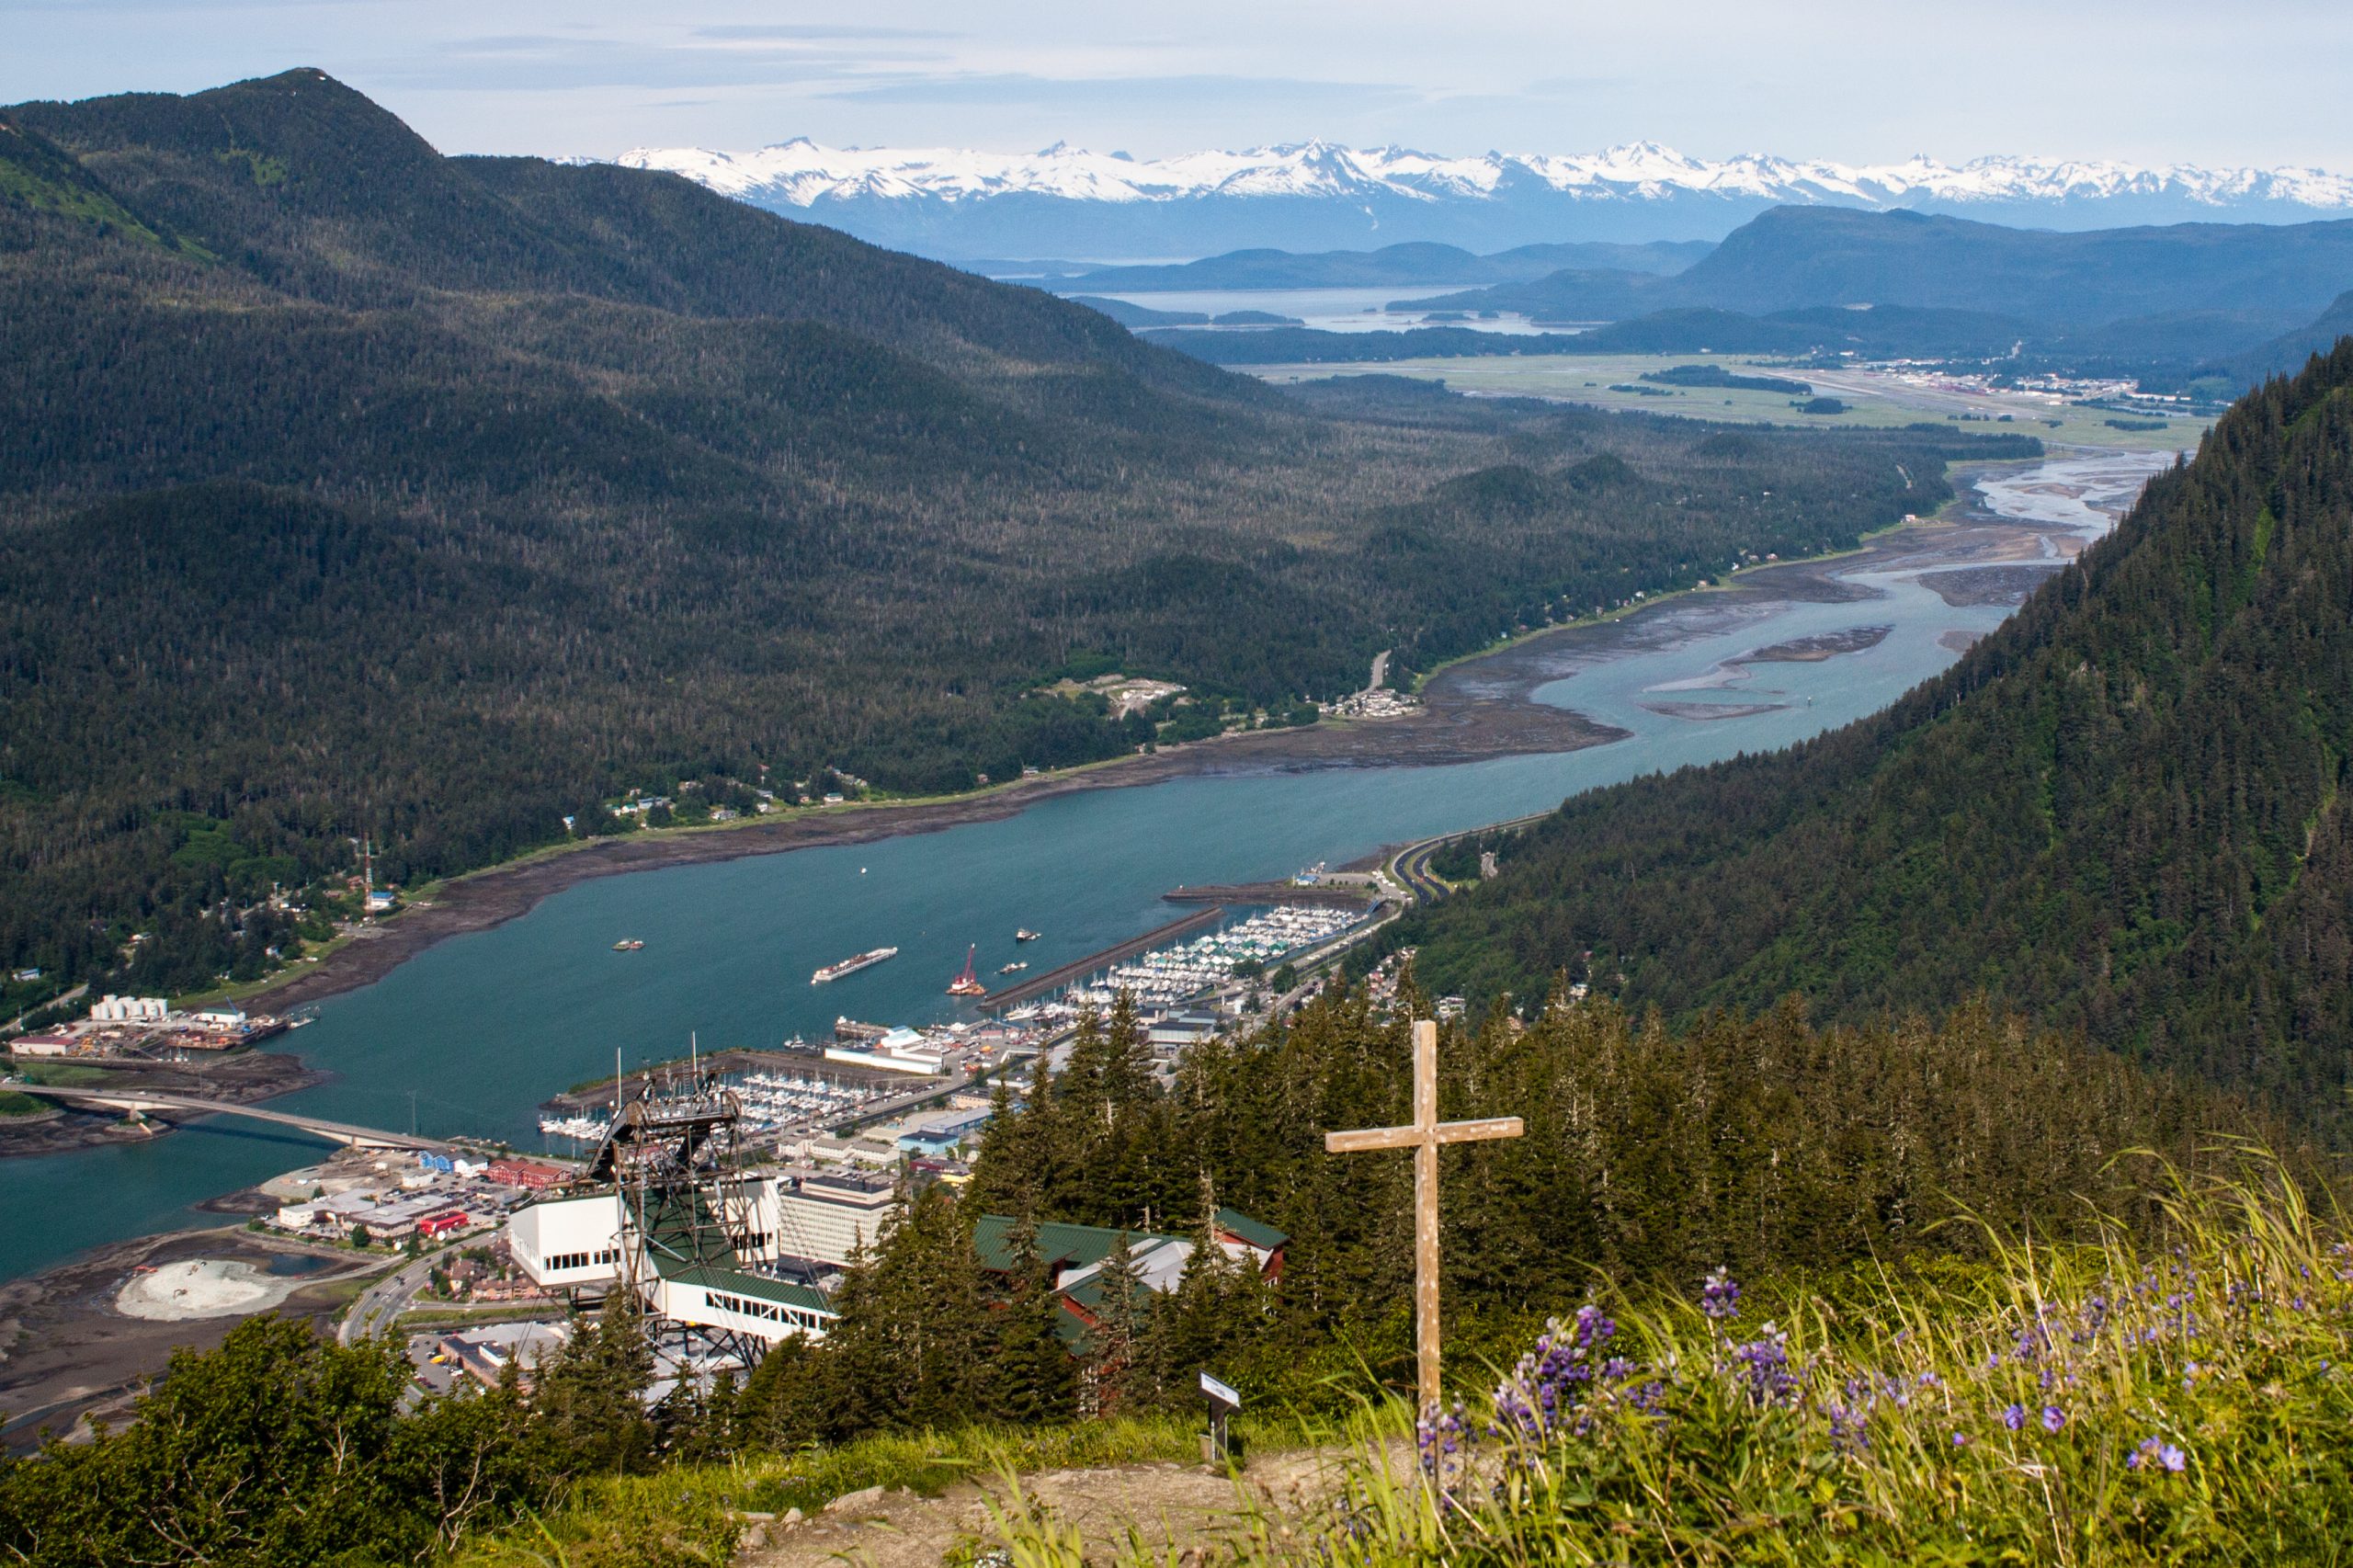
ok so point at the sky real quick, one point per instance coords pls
(2148, 81)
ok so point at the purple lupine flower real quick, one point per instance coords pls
(1542, 1389)
(1765, 1361)
(1720, 1296)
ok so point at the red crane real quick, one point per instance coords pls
(968, 983)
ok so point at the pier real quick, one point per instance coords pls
(1054, 979)
(1332, 893)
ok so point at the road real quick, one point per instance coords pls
(377, 1307)
(1411, 867)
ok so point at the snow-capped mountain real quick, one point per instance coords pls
(1067, 201)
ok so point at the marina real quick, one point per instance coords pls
(1056, 979)
(1168, 977)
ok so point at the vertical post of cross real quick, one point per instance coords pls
(1426, 1335)
(1424, 1137)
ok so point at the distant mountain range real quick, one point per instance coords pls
(1414, 263)
(1065, 202)
(2175, 303)
(1796, 257)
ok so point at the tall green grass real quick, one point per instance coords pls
(2185, 1401)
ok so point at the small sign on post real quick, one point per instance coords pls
(1217, 1445)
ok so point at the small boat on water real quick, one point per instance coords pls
(1025, 935)
(851, 966)
(627, 945)
(1012, 968)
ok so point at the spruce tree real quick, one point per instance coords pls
(1113, 1345)
(1030, 1375)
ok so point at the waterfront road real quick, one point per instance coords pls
(1410, 867)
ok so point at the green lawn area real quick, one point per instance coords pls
(1872, 397)
(61, 1075)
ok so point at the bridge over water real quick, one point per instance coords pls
(145, 1100)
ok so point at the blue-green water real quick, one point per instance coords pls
(482, 1029)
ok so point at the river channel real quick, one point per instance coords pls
(471, 1035)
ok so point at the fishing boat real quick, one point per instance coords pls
(627, 945)
(851, 966)
(967, 983)
(1026, 935)
(1012, 968)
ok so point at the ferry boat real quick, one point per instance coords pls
(851, 966)
(627, 945)
(1026, 935)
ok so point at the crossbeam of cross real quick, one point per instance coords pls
(1424, 1137)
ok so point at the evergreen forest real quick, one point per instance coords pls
(350, 492)
(2123, 813)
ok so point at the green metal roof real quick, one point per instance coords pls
(759, 1285)
(1062, 1245)
(1236, 1223)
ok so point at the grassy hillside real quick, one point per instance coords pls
(1971, 1202)
(2124, 812)
(348, 489)
(2111, 1405)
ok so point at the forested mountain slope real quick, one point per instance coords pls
(349, 489)
(2124, 811)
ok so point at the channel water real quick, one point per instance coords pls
(471, 1035)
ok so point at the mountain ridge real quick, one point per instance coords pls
(1804, 258)
(959, 202)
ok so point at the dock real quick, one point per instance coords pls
(1332, 893)
(1068, 973)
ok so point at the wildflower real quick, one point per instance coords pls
(1766, 1363)
(2154, 1453)
(1960, 1440)
(1720, 1296)
(2053, 1419)
(2014, 1417)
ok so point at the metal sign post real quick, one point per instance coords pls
(1217, 1446)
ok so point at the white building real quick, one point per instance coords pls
(568, 1244)
(588, 1243)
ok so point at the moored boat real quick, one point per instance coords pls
(851, 966)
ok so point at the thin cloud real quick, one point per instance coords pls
(1194, 92)
(753, 33)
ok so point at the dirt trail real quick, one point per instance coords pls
(1171, 1512)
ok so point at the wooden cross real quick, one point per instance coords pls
(1424, 1137)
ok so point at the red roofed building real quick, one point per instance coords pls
(526, 1173)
